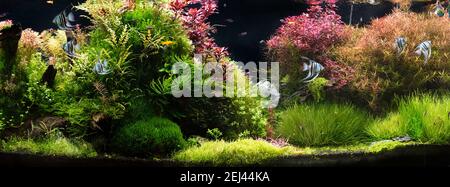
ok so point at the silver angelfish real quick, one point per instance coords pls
(424, 49)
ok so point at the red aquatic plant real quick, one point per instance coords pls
(318, 2)
(339, 74)
(195, 21)
(310, 33)
(6, 24)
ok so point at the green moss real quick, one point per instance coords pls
(49, 146)
(238, 153)
(249, 151)
(148, 137)
(374, 148)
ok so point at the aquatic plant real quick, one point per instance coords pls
(29, 43)
(425, 118)
(237, 153)
(151, 137)
(323, 124)
(310, 35)
(316, 88)
(380, 73)
(5, 24)
(199, 30)
(53, 146)
(231, 115)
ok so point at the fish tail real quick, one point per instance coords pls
(305, 67)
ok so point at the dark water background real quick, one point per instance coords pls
(259, 19)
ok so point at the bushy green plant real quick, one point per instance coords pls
(317, 88)
(323, 124)
(231, 116)
(237, 153)
(13, 105)
(150, 137)
(55, 146)
(425, 118)
(215, 133)
(386, 128)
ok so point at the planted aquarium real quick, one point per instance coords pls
(193, 86)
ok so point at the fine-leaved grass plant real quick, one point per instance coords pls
(425, 118)
(323, 124)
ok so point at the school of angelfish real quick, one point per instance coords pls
(65, 21)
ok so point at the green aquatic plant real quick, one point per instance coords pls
(316, 87)
(149, 137)
(238, 153)
(425, 118)
(323, 124)
(53, 146)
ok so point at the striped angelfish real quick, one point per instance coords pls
(71, 47)
(400, 44)
(313, 68)
(424, 49)
(63, 20)
(448, 10)
(439, 9)
(101, 67)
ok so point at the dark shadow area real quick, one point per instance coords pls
(408, 156)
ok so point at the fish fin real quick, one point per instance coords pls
(305, 67)
(77, 47)
(312, 78)
(69, 25)
(418, 52)
(71, 17)
(55, 20)
(307, 76)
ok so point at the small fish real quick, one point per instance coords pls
(291, 22)
(262, 42)
(3, 15)
(229, 20)
(243, 34)
(313, 68)
(71, 47)
(400, 44)
(373, 2)
(167, 43)
(50, 2)
(439, 10)
(101, 67)
(424, 49)
(224, 5)
(448, 9)
(64, 20)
